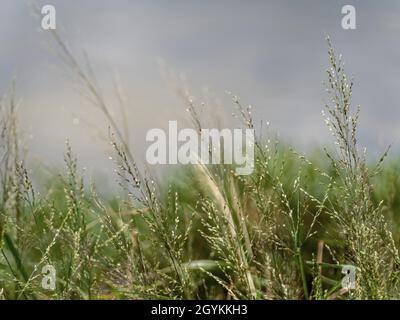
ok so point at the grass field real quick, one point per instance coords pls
(284, 232)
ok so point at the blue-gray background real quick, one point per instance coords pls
(271, 53)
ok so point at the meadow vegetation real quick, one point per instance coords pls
(283, 232)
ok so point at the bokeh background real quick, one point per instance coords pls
(272, 54)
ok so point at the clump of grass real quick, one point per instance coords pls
(368, 240)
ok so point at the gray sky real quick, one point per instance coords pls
(270, 53)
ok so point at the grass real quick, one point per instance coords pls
(284, 232)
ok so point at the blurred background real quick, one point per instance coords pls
(272, 54)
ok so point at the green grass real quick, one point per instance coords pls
(283, 232)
